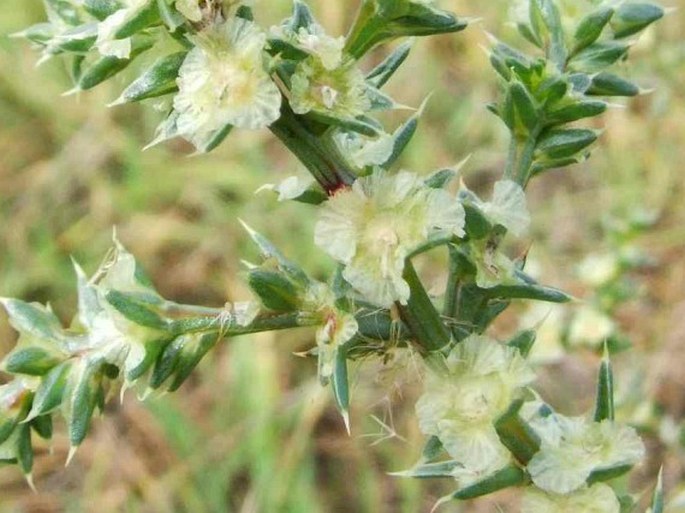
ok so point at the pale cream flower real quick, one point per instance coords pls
(598, 498)
(223, 82)
(341, 91)
(590, 327)
(108, 334)
(493, 267)
(244, 312)
(573, 447)
(461, 408)
(190, 9)
(598, 269)
(372, 227)
(508, 207)
(337, 327)
(291, 188)
(364, 151)
(107, 43)
(314, 40)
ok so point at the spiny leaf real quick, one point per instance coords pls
(604, 408)
(341, 386)
(158, 80)
(380, 75)
(516, 434)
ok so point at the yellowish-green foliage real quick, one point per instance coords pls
(253, 431)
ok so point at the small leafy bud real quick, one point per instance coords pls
(275, 290)
(591, 27)
(576, 111)
(380, 21)
(524, 104)
(562, 143)
(599, 56)
(607, 84)
(50, 393)
(158, 80)
(633, 17)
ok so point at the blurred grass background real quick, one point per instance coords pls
(252, 431)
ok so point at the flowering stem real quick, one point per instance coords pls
(375, 325)
(520, 159)
(454, 277)
(318, 155)
(421, 317)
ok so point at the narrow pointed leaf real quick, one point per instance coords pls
(500, 480)
(599, 56)
(607, 474)
(275, 290)
(340, 383)
(25, 449)
(516, 435)
(83, 395)
(431, 450)
(576, 111)
(604, 408)
(523, 341)
(158, 80)
(608, 84)
(657, 504)
(430, 470)
(135, 311)
(524, 105)
(380, 75)
(591, 27)
(43, 426)
(525, 291)
(633, 17)
(563, 143)
(108, 66)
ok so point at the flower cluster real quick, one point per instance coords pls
(373, 226)
(220, 70)
(223, 82)
(460, 408)
(572, 448)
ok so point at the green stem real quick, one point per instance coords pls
(229, 327)
(520, 159)
(453, 282)
(324, 162)
(421, 317)
(373, 324)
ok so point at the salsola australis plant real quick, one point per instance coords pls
(485, 427)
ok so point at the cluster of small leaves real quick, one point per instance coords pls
(124, 335)
(220, 70)
(544, 94)
(308, 88)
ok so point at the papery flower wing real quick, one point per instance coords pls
(475, 445)
(598, 498)
(508, 207)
